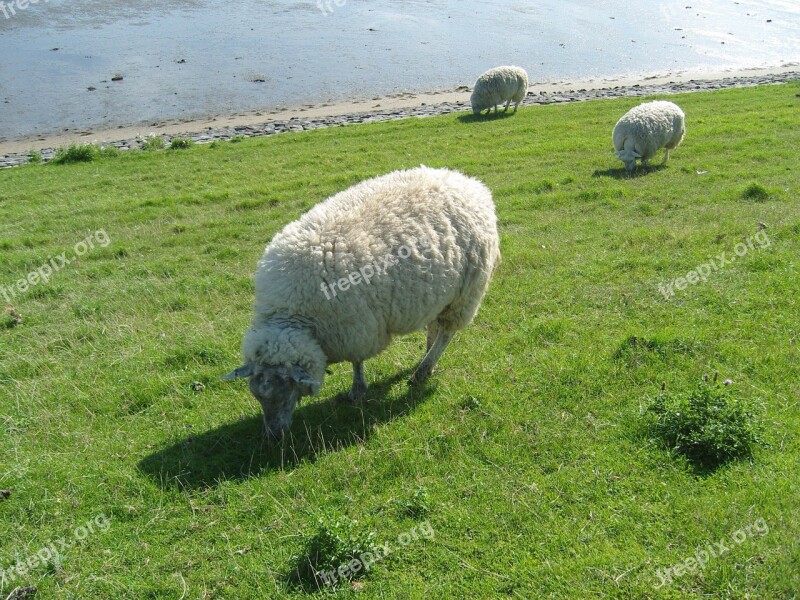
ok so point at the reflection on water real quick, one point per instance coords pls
(189, 58)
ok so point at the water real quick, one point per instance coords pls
(193, 58)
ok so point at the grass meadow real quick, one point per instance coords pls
(527, 459)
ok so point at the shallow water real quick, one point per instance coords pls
(192, 58)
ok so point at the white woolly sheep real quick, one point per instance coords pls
(391, 255)
(498, 85)
(646, 128)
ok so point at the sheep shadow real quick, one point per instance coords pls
(473, 118)
(239, 451)
(621, 173)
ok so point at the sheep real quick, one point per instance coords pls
(498, 85)
(644, 129)
(389, 256)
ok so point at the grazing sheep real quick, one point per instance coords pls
(498, 85)
(646, 128)
(389, 256)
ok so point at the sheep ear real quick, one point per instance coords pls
(243, 371)
(308, 385)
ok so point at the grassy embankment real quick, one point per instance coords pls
(525, 453)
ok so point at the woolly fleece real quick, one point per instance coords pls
(436, 226)
(497, 86)
(646, 128)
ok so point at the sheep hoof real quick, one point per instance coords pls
(419, 376)
(272, 438)
(355, 396)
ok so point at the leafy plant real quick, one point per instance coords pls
(709, 425)
(34, 157)
(469, 403)
(152, 143)
(180, 143)
(335, 542)
(417, 506)
(76, 153)
(11, 318)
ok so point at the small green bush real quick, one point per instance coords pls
(180, 143)
(76, 153)
(755, 192)
(34, 157)
(236, 139)
(152, 143)
(418, 505)
(335, 542)
(11, 318)
(708, 425)
(469, 403)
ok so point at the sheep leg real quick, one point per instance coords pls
(516, 106)
(495, 109)
(359, 390)
(430, 337)
(508, 103)
(425, 368)
(666, 156)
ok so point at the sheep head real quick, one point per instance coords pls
(628, 157)
(278, 389)
(283, 363)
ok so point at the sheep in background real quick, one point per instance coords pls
(646, 128)
(391, 255)
(498, 85)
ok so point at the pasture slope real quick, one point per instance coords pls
(526, 456)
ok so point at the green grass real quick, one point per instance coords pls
(527, 441)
